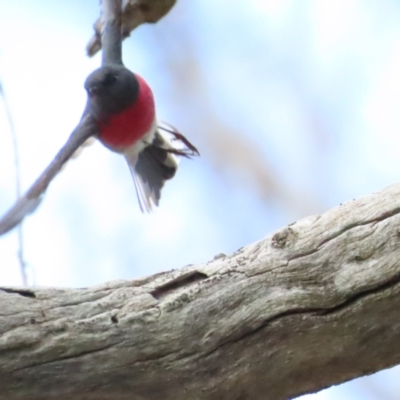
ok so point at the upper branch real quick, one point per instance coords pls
(134, 13)
(111, 35)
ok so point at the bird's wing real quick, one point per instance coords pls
(157, 163)
(150, 169)
(146, 197)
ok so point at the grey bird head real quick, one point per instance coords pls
(110, 90)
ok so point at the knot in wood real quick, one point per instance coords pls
(283, 238)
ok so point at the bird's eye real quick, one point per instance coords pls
(110, 79)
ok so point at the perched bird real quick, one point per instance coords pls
(120, 112)
(122, 104)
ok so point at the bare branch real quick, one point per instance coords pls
(313, 305)
(32, 198)
(17, 172)
(134, 13)
(111, 37)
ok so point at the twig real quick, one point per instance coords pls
(17, 172)
(111, 37)
(32, 198)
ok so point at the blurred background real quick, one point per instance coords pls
(294, 106)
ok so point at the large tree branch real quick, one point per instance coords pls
(316, 303)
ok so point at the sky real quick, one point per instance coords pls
(293, 106)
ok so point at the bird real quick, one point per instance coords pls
(120, 112)
(123, 108)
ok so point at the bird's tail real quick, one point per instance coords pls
(157, 163)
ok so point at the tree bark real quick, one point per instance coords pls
(312, 305)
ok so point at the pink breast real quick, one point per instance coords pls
(125, 128)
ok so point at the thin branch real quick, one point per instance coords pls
(32, 198)
(111, 37)
(17, 172)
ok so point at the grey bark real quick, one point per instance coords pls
(314, 304)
